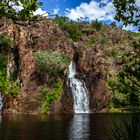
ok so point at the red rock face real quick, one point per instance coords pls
(28, 39)
(91, 65)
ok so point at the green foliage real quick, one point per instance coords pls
(70, 27)
(97, 25)
(127, 81)
(99, 39)
(127, 12)
(113, 24)
(119, 99)
(7, 86)
(3, 61)
(5, 43)
(15, 89)
(114, 53)
(29, 6)
(134, 34)
(83, 21)
(49, 95)
(26, 13)
(49, 61)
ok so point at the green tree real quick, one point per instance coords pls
(6, 86)
(71, 27)
(96, 24)
(25, 12)
(128, 12)
(127, 81)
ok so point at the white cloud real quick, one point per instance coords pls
(130, 28)
(93, 11)
(55, 11)
(17, 8)
(39, 11)
(137, 3)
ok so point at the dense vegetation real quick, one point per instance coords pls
(128, 12)
(49, 94)
(126, 84)
(50, 62)
(19, 9)
(70, 27)
(121, 47)
(51, 66)
(6, 86)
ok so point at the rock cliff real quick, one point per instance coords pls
(93, 60)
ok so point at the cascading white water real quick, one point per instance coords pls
(79, 91)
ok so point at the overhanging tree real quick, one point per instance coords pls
(127, 81)
(128, 12)
(126, 84)
(19, 9)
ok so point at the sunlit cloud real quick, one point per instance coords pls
(137, 3)
(93, 11)
(17, 8)
(103, 11)
(39, 11)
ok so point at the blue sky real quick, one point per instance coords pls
(62, 5)
(103, 10)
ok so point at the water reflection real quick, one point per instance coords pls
(127, 129)
(79, 127)
(0, 118)
(71, 127)
(1, 102)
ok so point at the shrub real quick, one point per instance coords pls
(49, 61)
(71, 27)
(99, 39)
(49, 95)
(23, 13)
(7, 86)
(5, 43)
(96, 24)
(3, 61)
(127, 80)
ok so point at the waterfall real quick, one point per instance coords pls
(1, 102)
(79, 91)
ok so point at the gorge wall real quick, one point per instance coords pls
(28, 39)
(91, 55)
